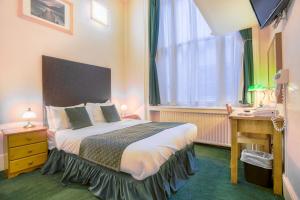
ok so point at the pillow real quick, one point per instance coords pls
(59, 117)
(95, 111)
(78, 117)
(50, 121)
(110, 113)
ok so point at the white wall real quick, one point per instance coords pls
(22, 43)
(136, 59)
(291, 59)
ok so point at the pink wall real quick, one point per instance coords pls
(291, 58)
(22, 43)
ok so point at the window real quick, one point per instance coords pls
(99, 13)
(194, 67)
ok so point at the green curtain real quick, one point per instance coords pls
(154, 96)
(247, 63)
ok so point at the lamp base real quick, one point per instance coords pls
(29, 125)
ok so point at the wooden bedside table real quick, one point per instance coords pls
(25, 149)
(131, 117)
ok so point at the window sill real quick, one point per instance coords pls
(215, 110)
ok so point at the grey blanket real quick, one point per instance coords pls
(107, 149)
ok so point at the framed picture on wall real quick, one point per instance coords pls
(56, 14)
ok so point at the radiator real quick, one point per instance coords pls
(213, 127)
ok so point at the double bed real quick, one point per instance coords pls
(152, 167)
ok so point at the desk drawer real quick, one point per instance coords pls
(26, 163)
(26, 138)
(27, 150)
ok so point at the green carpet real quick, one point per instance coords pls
(212, 182)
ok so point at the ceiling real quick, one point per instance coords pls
(225, 16)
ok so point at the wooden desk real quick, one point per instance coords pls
(256, 125)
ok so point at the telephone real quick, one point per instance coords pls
(282, 80)
(266, 111)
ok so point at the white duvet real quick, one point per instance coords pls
(140, 159)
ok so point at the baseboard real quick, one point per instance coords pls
(1, 162)
(288, 190)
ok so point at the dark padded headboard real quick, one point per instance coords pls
(67, 83)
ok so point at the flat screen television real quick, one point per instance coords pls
(267, 11)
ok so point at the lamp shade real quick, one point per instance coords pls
(256, 88)
(124, 107)
(29, 114)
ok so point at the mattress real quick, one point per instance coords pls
(140, 159)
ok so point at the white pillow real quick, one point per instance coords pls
(59, 117)
(50, 120)
(95, 112)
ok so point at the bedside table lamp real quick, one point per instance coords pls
(124, 108)
(258, 90)
(28, 116)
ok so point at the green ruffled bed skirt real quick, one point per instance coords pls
(110, 185)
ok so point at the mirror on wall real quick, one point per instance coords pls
(274, 60)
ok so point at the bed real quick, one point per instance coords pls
(151, 167)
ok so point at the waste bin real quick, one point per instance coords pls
(258, 167)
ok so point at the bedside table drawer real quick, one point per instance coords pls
(27, 150)
(26, 138)
(26, 163)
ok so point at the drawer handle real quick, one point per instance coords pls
(31, 163)
(30, 151)
(28, 139)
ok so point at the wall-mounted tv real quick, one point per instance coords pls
(267, 11)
